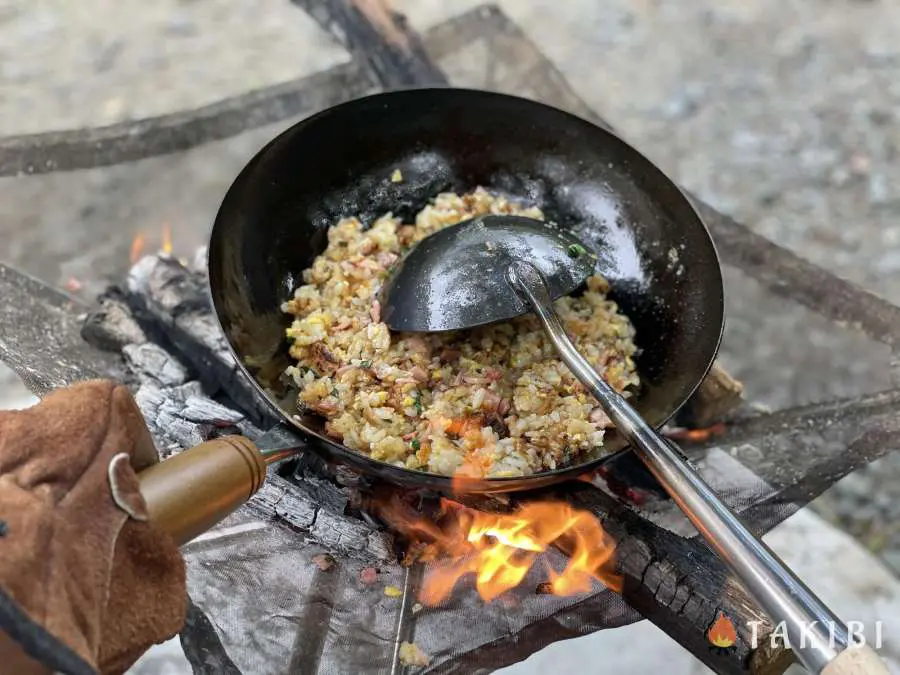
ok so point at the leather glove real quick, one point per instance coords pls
(87, 584)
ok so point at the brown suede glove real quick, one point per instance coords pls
(86, 583)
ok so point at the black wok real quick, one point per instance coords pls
(653, 247)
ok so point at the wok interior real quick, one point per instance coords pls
(652, 247)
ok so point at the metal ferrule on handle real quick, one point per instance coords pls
(192, 491)
(779, 593)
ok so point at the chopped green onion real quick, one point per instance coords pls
(418, 402)
(415, 444)
(365, 364)
(576, 250)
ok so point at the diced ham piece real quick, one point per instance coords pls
(417, 344)
(598, 416)
(450, 354)
(325, 407)
(386, 259)
(324, 360)
(491, 401)
(375, 312)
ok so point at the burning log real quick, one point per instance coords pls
(718, 395)
(171, 298)
(111, 326)
(500, 549)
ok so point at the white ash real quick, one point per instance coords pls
(202, 409)
(198, 263)
(112, 326)
(152, 363)
(173, 298)
(163, 410)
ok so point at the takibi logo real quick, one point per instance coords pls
(856, 633)
(722, 633)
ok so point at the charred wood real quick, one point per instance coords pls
(378, 37)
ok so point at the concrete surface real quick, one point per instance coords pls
(71, 64)
(13, 394)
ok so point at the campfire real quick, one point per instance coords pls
(139, 243)
(534, 553)
(499, 549)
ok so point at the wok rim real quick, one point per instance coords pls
(309, 438)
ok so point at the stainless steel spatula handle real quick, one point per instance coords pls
(779, 593)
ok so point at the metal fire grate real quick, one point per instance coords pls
(258, 569)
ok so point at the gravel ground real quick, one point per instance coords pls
(779, 112)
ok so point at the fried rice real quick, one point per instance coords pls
(493, 401)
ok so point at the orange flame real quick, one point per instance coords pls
(166, 239)
(500, 549)
(139, 243)
(698, 435)
(721, 633)
(137, 247)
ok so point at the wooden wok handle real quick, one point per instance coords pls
(189, 493)
(857, 660)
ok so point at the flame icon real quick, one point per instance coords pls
(722, 633)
